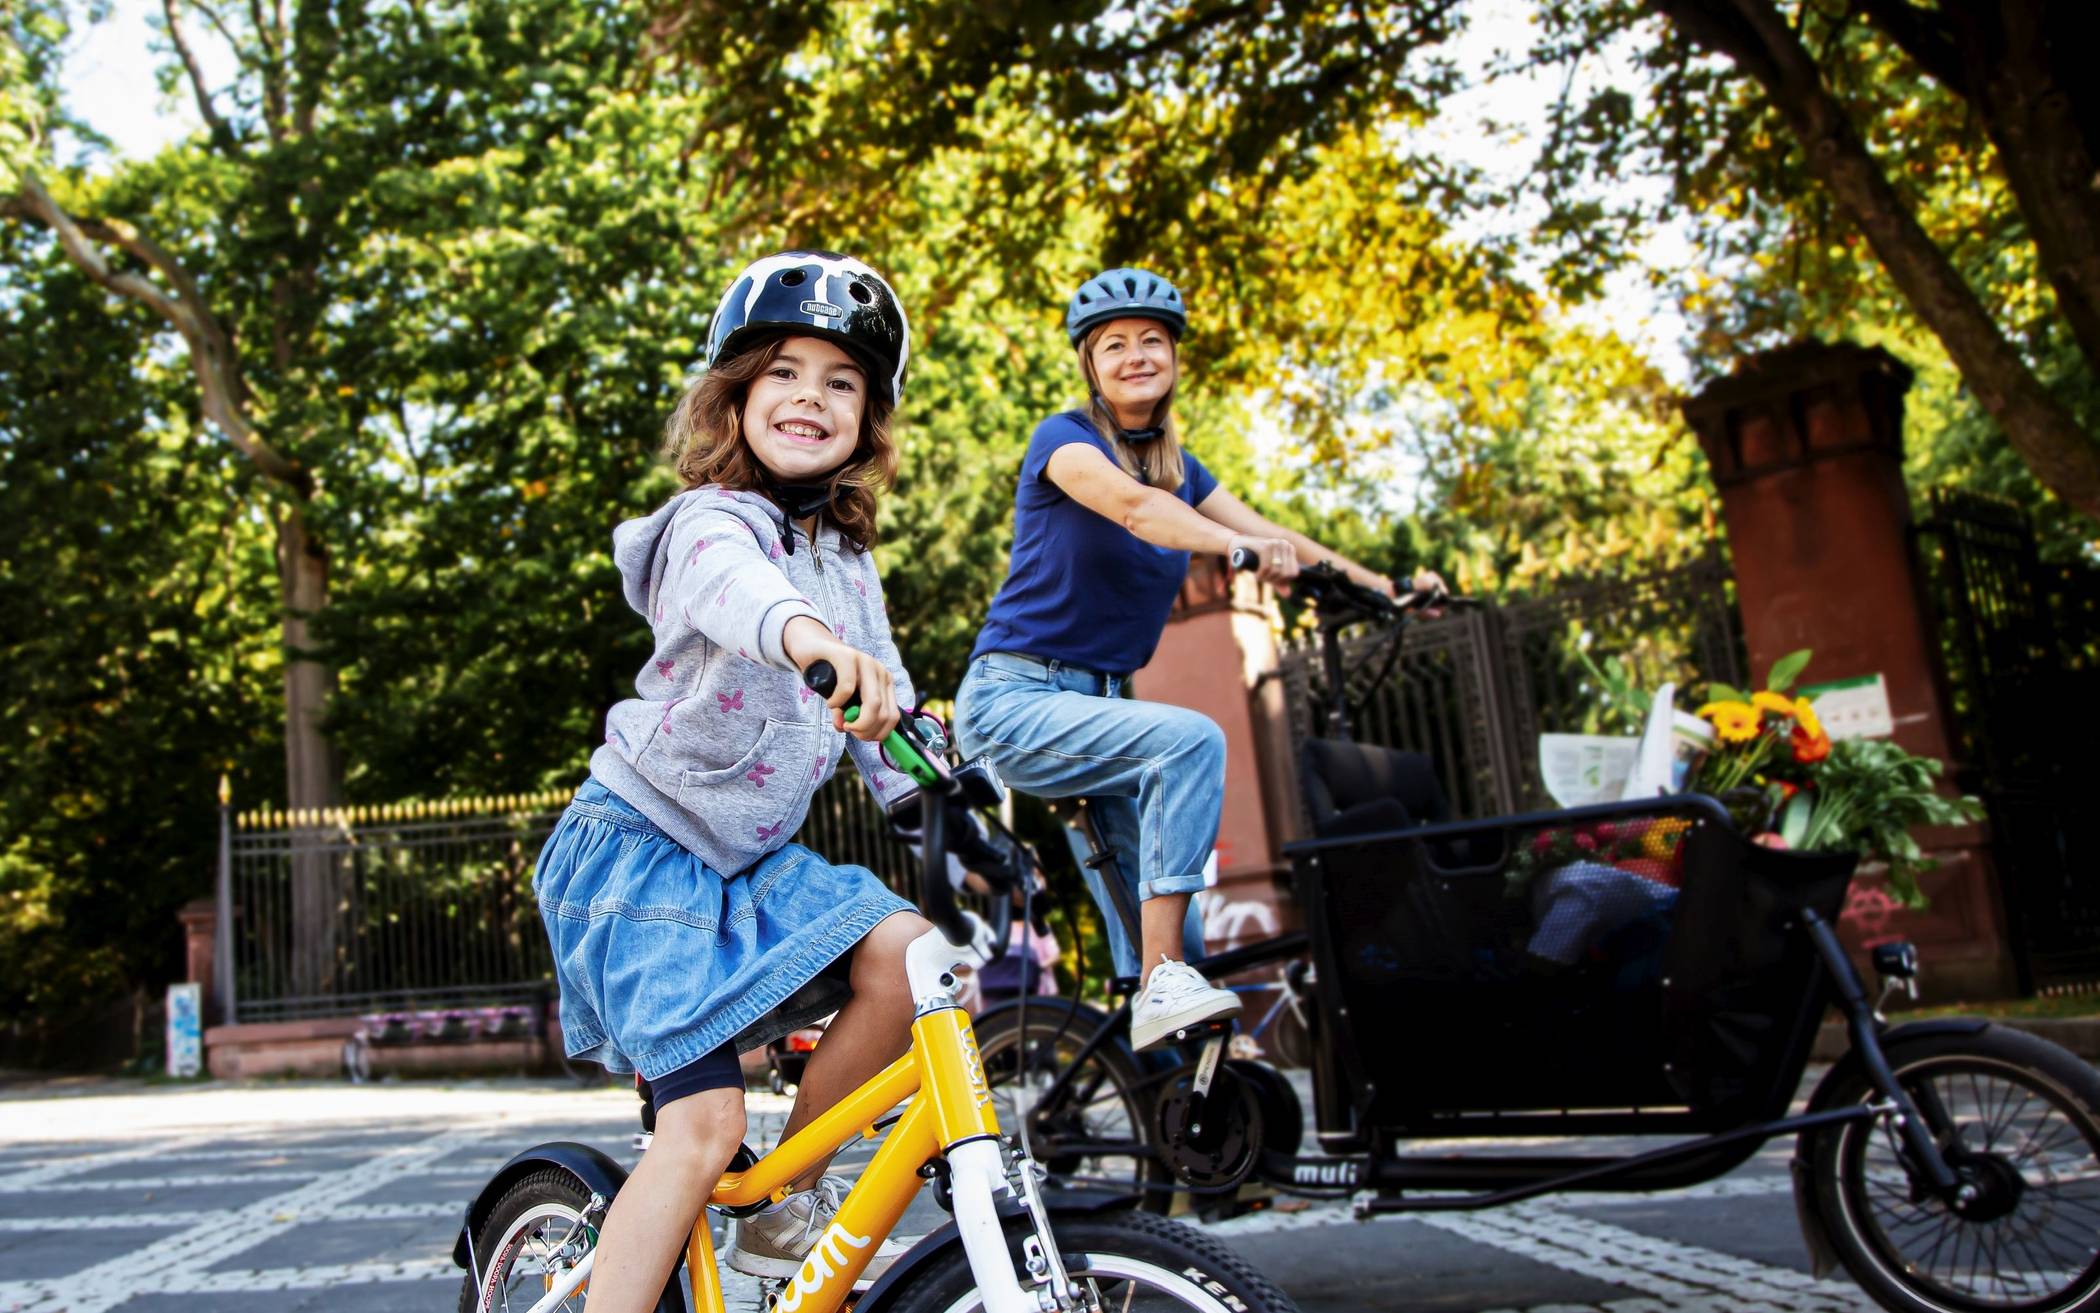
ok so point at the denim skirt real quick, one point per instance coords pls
(662, 959)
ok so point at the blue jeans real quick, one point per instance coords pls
(1153, 774)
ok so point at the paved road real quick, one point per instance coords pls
(318, 1196)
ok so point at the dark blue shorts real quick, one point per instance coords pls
(717, 1069)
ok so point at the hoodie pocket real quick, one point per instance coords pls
(763, 785)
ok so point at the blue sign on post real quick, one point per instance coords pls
(186, 1029)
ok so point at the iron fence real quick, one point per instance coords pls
(1475, 690)
(2020, 640)
(430, 905)
(1678, 625)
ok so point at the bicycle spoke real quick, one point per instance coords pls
(2013, 1113)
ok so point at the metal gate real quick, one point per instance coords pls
(428, 905)
(1475, 690)
(2021, 640)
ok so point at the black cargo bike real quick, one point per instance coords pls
(1457, 985)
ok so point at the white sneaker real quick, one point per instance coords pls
(1175, 997)
(774, 1242)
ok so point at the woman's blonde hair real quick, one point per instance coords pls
(704, 441)
(1156, 463)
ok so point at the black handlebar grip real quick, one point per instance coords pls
(1245, 558)
(821, 679)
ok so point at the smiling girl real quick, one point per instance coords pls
(685, 927)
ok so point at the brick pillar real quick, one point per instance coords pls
(199, 922)
(1217, 646)
(1806, 446)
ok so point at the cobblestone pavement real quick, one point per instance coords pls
(324, 1196)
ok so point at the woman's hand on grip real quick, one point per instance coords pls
(1276, 560)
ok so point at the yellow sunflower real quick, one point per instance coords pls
(1772, 702)
(1735, 722)
(1805, 713)
(1660, 842)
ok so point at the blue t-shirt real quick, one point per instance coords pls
(1082, 588)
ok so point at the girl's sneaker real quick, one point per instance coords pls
(775, 1242)
(1174, 998)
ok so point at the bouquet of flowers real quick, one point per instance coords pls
(1786, 782)
(1646, 846)
(1761, 737)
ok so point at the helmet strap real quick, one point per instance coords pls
(1150, 433)
(794, 501)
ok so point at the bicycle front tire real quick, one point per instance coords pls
(538, 1225)
(2017, 1117)
(1126, 1260)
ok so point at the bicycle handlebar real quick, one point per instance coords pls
(910, 752)
(1332, 591)
(1327, 586)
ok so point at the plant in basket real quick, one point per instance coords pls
(1790, 786)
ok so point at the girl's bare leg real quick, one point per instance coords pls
(870, 1032)
(654, 1212)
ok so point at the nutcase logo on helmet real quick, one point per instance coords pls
(824, 308)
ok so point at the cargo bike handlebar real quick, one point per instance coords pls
(948, 795)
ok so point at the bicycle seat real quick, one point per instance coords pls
(1362, 788)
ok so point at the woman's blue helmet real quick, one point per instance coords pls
(1121, 293)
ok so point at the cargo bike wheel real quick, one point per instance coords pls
(1107, 1102)
(2019, 1122)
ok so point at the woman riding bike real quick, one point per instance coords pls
(1108, 509)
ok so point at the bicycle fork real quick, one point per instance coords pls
(1902, 1111)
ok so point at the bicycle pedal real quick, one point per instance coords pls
(1202, 1031)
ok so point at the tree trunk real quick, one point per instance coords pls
(2062, 455)
(2041, 430)
(2047, 163)
(312, 772)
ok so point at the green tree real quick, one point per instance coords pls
(1161, 110)
(134, 588)
(429, 275)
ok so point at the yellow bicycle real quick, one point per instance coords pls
(1014, 1245)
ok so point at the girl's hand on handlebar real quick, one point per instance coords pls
(1276, 560)
(807, 641)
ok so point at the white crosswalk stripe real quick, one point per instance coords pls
(168, 1262)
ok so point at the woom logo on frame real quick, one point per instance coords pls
(826, 1261)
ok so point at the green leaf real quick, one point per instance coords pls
(1719, 692)
(1786, 670)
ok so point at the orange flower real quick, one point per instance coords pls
(1809, 748)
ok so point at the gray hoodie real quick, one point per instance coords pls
(724, 746)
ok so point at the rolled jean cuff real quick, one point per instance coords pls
(1172, 884)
